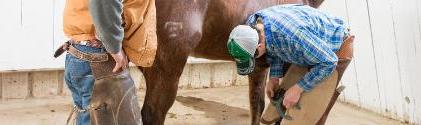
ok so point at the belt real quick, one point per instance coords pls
(91, 57)
(90, 43)
(347, 48)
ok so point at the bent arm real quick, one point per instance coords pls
(108, 22)
(317, 54)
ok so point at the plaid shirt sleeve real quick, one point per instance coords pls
(276, 67)
(319, 55)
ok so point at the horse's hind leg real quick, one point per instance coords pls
(162, 84)
(257, 83)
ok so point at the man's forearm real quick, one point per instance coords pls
(316, 75)
(106, 16)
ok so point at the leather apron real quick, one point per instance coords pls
(114, 100)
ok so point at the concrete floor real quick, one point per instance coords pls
(221, 106)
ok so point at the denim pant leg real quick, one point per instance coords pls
(80, 81)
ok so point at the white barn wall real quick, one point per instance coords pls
(350, 79)
(8, 27)
(31, 30)
(414, 84)
(383, 77)
(387, 57)
(365, 60)
(404, 38)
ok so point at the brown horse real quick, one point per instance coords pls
(199, 28)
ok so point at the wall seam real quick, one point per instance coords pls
(21, 13)
(397, 53)
(373, 50)
(357, 84)
(54, 23)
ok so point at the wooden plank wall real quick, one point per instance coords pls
(384, 75)
(31, 30)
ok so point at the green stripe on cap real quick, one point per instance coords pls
(242, 44)
(237, 52)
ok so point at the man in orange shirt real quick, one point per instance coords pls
(97, 28)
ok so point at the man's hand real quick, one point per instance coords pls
(121, 61)
(271, 86)
(292, 96)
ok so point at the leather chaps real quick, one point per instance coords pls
(114, 100)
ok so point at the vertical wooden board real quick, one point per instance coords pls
(11, 10)
(417, 26)
(10, 27)
(58, 35)
(15, 85)
(415, 31)
(417, 84)
(386, 57)
(45, 84)
(37, 22)
(364, 56)
(416, 69)
(351, 93)
(58, 10)
(417, 94)
(403, 13)
(416, 99)
(184, 81)
(201, 75)
(223, 74)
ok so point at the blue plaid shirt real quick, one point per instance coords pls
(304, 36)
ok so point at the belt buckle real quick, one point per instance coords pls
(84, 42)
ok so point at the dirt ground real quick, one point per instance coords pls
(221, 106)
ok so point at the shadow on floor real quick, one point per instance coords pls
(222, 113)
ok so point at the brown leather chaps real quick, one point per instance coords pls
(345, 55)
(114, 100)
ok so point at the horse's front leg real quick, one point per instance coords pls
(257, 83)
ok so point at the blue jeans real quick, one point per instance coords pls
(80, 81)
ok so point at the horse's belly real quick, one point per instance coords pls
(211, 50)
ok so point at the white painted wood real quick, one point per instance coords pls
(38, 31)
(29, 32)
(58, 34)
(404, 13)
(415, 114)
(417, 84)
(387, 70)
(351, 93)
(410, 11)
(10, 32)
(386, 57)
(364, 56)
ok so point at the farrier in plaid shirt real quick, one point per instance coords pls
(303, 36)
